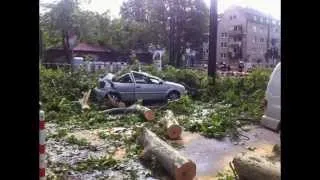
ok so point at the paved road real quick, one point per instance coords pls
(212, 156)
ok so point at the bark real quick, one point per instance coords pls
(172, 126)
(84, 100)
(178, 166)
(147, 113)
(250, 166)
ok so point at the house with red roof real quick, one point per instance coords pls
(95, 52)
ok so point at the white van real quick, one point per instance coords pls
(272, 114)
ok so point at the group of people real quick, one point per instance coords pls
(226, 67)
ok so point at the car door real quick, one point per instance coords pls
(125, 87)
(145, 88)
(274, 95)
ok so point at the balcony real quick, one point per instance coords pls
(236, 33)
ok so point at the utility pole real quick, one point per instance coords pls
(213, 30)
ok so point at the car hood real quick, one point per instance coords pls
(174, 84)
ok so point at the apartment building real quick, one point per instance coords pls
(246, 34)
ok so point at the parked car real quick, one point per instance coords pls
(272, 114)
(134, 86)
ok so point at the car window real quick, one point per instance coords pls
(154, 81)
(141, 79)
(125, 79)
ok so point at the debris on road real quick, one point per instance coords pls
(179, 167)
(253, 166)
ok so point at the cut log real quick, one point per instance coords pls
(178, 166)
(84, 100)
(172, 126)
(147, 113)
(250, 166)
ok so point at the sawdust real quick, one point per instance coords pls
(90, 135)
(120, 154)
(187, 137)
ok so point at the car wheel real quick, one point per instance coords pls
(173, 96)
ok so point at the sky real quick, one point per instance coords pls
(272, 7)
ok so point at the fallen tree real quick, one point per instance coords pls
(84, 101)
(252, 166)
(172, 126)
(178, 166)
(147, 113)
(114, 103)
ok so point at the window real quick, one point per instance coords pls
(254, 28)
(223, 55)
(140, 79)
(223, 34)
(125, 79)
(255, 18)
(224, 44)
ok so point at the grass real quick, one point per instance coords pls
(90, 164)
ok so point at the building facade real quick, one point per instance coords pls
(246, 35)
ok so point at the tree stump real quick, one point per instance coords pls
(178, 166)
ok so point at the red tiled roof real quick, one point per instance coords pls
(89, 47)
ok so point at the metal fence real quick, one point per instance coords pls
(112, 67)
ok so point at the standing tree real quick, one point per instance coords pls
(184, 21)
(61, 18)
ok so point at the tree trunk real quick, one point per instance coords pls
(179, 167)
(66, 48)
(147, 113)
(114, 103)
(213, 39)
(251, 166)
(84, 100)
(172, 126)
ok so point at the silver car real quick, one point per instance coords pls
(134, 86)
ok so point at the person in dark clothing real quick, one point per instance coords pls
(241, 66)
(228, 68)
